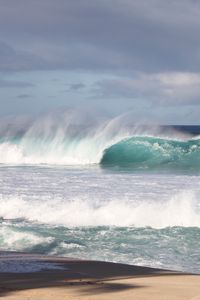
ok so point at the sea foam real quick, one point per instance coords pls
(180, 210)
(71, 139)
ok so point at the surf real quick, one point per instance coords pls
(135, 152)
(71, 138)
(181, 209)
(144, 152)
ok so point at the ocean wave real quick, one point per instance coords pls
(153, 152)
(71, 139)
(180, 210)
(135, 152)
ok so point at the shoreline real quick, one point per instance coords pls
(34, 276)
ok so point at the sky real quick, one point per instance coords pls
(114, 56)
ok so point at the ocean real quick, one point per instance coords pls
(101, 189)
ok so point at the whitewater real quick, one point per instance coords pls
(106, 189)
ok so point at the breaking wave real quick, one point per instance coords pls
(136, 152)
(153, 152)
(180, 210)
(70, 139)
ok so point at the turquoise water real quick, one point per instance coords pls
(90, 212)
(153, 153)
(105, 192)
(133, 153)
(174, 248)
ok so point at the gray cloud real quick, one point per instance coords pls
(169, 88)
(151, 49)
(19, 60)
(149, 36)
(14, 84)
(24, 96)
(76, 86)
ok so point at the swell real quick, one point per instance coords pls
(71, 138)
(153, 152)
(136, 152)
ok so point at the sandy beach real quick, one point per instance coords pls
(62, 278)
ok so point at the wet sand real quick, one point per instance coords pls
(81, 279)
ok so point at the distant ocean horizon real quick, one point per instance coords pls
(192, 129)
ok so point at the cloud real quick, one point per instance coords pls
(168, 88)
(115, 36)
(15, 84)
(141, 53)
(24, 96)
(15, 60)
(76, 86)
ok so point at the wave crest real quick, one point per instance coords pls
(69, 138)
(153, 152)
(136, 152)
